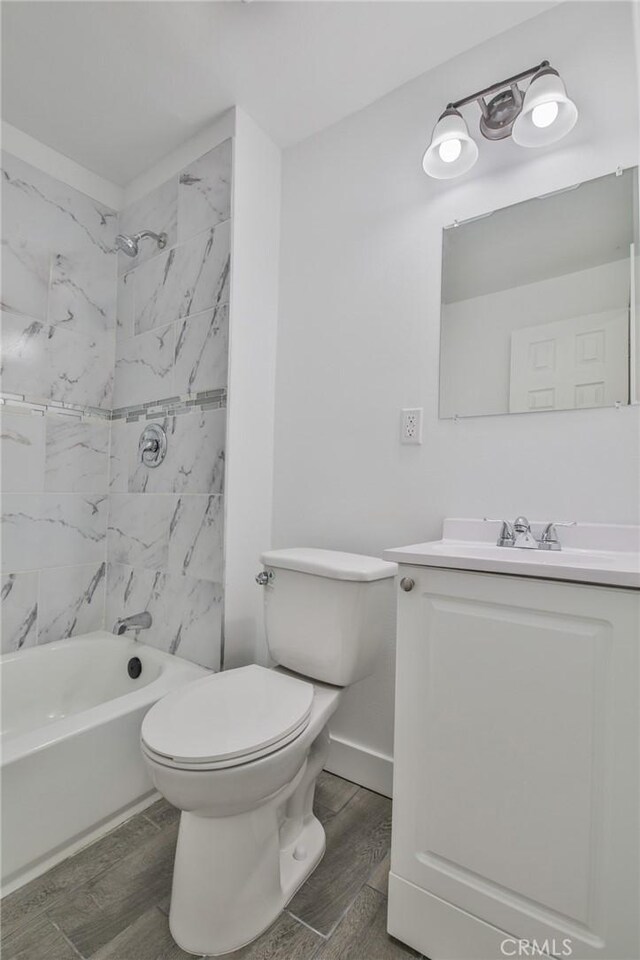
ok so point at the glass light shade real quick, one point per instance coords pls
(538, 123)
(448, 162)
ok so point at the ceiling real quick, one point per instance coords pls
(115, 86)
(551, 236)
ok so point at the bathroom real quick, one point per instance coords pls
(239, 375)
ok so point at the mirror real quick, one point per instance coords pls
(540, 303)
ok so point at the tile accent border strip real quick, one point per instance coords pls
(172, 406)
(153, 410)
(24, 403)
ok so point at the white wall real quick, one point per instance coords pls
(475, 358)
(359, 328)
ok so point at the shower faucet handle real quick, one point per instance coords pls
(152, 446)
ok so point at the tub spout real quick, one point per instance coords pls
(139, 621)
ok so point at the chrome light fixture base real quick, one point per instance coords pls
(499, 114)
(508, 112)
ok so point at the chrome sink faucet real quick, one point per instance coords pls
(139, 621)
(525, 540)
(518, 534)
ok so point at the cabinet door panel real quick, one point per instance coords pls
(515, 704)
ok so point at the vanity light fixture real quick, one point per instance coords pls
(543, 115)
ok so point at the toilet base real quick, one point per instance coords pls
(230, 883)
(234, 875)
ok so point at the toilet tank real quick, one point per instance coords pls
(327, 612)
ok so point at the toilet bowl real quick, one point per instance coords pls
(239, 752)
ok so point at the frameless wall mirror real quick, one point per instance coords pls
(540, 303)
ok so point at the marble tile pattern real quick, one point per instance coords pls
(52, 529)
(166, 524)
(76, 455)
(46, 362)
(156, 211)
(90, 306)
(22, 452)
(88, 533)
(186, 611)
(42, 218)
(183, 281)
(58, 273)
(53, 524)
(138, 531)
(196, 537)
(144, 367)
(19, 595)
(201, 351)
(180, 359)
(70, 601)
(182, 534)
(204, 191)
(195, 455)
(124, 305)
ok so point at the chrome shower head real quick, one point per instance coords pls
(129, 245)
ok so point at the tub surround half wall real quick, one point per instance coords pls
(96, 345)
(166, 524)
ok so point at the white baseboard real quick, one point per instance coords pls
(361, 765)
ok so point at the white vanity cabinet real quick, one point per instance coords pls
(516, 801)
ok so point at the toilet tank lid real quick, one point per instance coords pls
(332, 564)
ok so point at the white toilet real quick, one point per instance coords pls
(239, 752)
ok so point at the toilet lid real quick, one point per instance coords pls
(229, 715)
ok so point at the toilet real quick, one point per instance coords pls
(239, 752)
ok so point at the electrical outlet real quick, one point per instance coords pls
(411, 431)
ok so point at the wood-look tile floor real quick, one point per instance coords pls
(110, 901)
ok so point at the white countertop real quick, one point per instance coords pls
(607, 554)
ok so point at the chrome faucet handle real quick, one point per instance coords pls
(549, 539)
(507, 535)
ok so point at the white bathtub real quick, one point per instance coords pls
(71, 761)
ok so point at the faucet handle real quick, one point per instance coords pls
(507, 535)
(549, 539)
(550, 531)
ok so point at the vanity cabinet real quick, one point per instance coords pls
(516, 767)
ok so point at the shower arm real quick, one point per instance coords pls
(160, 238)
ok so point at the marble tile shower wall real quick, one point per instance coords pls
(165, 529)
(58, 341)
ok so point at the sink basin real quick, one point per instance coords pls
(607, 554)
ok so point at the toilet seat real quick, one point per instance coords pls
(227, 719)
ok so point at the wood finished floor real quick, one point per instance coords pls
(111, 900)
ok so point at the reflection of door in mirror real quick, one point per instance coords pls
(582, 362)
(540, 303)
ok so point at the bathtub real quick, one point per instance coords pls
(71, 762)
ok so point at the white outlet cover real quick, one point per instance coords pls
(411, 425)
